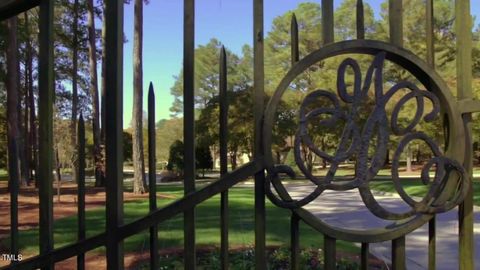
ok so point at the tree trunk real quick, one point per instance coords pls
(12, 101)
(104, 89)
(21, 132)
(58, 173)
(33, 128)
(138, 158)
(92, 53)
(387, 158)
(278, 157)
(26, 138)
(73, 126)
(234, 160)
(409, 159)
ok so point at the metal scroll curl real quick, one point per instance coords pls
(449, 185)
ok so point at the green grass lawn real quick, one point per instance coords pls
(241, 225)
(416, 188)
(3, 175)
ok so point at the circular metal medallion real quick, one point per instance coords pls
(449, 184)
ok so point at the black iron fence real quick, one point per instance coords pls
(265, 172)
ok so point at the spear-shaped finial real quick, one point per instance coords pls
(294, 39)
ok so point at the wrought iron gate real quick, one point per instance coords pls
(451, 184)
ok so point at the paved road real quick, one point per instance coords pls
(349, 211)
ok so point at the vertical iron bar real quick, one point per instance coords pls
(189, 129)
(258, 98)
(114, 131)
(395, 17)
(463, 26)
(329, 252)
(223, 158)
(295, 241)
(13, 93)
(398, 253)
(45, 127)
(432, 243)
(81, 188)
(295, 55)
(327, 21)
(431, 62)
(364, 256)
(152, 176)
(360, 20)
(430, 34)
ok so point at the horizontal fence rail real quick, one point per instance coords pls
(152, 219)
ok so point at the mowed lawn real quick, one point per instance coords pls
(241, 225)
(414, 187)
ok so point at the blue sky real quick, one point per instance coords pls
(230, 21)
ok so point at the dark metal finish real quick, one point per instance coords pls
(464, 92)
(10, 8)
(81, 188)
(364, 256)
(189, 129)
(355, 140)
(360, 20)
(295, 241)
(45, 127)
(430, 34)
(327, 22)
(431, 243)
(258, 97)
(192, 199)
(114, 132)
(223, 132)
(157, 216)
(152, 176)
(398, 253)
(431, 62)
(329, 251)
(395, 19)
(294, 40)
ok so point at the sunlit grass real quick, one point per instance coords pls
(416, 188)
(241, 225)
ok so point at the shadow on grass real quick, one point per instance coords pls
(241, 225)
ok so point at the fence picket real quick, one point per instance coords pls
(189, 129)
(360, 20)
(223, 157)
(152, 176)
(81, 188)
(395, 19)
(327, 22)
(45, 127)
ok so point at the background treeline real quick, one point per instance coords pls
(320, 76)
(79, 89)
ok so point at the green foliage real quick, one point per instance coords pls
(168, 131)
(203, 158)
(175, 160)
(277, 259)
(127, 146)
(206, 76)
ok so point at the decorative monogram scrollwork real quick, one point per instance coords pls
(356, 138)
